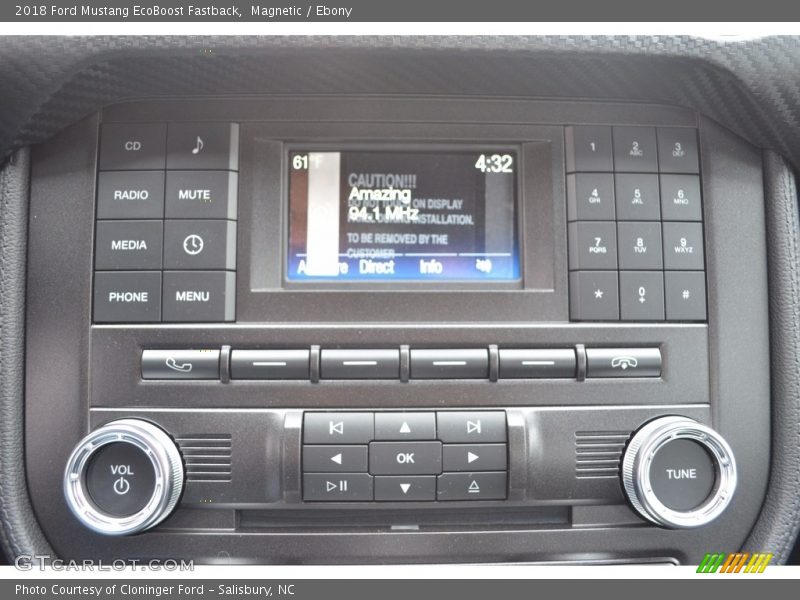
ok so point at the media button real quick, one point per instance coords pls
(199, 296)
(201, 195)
(127, 297)
(130, 195)
(128, 245)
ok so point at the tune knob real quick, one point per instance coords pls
(124, 477)
(678, 473)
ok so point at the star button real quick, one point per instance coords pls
(598, 294)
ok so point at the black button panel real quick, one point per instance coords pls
(623, 270)
(345, 457)
(167, 205)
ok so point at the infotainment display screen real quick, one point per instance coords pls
(363, 215)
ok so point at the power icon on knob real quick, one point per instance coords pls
(121, 486)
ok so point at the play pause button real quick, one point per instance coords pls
(337, 487)
(405, 489)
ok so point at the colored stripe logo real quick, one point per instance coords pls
(738, 562)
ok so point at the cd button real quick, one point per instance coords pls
(405, 426)
(450, 364)
(337, 487)
(203, 146)
(338, 428)
(472, 426)
(201, 195)
(334, 459)
(490, 485)
(359, 364)
(132, 146)
(405, 489)
(405, 458)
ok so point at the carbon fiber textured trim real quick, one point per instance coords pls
(751, 87)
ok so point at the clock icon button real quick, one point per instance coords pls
(193, 244)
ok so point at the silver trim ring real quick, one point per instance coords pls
(638, 459)
(167, 465)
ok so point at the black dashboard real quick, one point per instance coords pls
(399, 300)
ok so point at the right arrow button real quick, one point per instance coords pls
(474, 457)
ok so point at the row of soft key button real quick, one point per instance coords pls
(404, 456)
(635, 224)
(165, 247)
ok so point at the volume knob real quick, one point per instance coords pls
(123, 478)
(678, 473)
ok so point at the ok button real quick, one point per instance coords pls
(405, 458)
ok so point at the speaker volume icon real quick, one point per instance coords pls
(198, 146)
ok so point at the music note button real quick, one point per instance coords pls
(203, 146)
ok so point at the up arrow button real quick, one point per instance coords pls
(395, 426)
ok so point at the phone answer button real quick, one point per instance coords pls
(180, 364)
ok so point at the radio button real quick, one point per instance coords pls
(489, 485)
(593, 296)
(334, 459)
(637, 197)
(677, 150)
(473, 426)
(127, 297)
(338, 428)
(337, 487)
(685, 295)
(405, 458)
(623, 362)
(405, 489)
(180, 364)
(132, 146)
(592, 245)
(536, 364)
(360, 364)
(590, 197)
(200, 245)
(639, 246)
(201, 195)
(199, 296)
(635, 150)
(450, 364)
(683, 247)
(128, 245)
(270, 364)
(405, 426)
(588, 148)
(127, 195)
(203, 146)
(641, 295)
(474, 457)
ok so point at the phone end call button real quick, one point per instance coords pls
(180, 364)
(623, 362)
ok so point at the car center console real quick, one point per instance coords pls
(396, 329)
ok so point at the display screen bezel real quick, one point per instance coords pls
(410, 284)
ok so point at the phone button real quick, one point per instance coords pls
(180, 364)
(623, 362)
